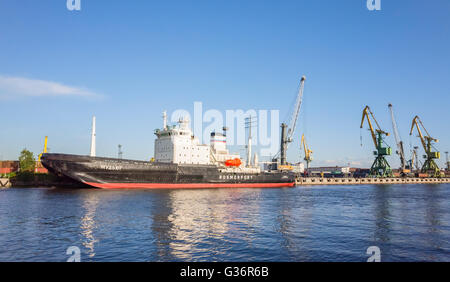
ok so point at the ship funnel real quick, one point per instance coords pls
(224, 129)
(93, 138)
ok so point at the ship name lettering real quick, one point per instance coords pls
(110, 167)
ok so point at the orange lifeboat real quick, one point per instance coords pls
(236, 162)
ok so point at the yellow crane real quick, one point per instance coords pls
(429, 165)
(45, 149)
(380, 167)
(308, 158)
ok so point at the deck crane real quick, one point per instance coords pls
(429, 165)
(308, 158)
(380, 167)
(399, 143)
(287, 131)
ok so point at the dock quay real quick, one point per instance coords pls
(361, 181)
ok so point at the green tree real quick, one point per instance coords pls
(27, 161)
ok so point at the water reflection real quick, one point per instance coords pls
(160, 225)
(432, 218)
(198, 216)
(88, 224)
(382, 214)
(190, 223)
(286, 217)
(408, 223)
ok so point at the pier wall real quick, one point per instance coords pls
(362, 181)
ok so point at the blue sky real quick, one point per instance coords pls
(126, 61)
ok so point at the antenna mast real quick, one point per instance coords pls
(249, 122)
(120, 153)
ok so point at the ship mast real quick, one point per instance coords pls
(249, 124)
(93, 138)
(164, 120)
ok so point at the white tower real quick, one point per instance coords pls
(93, 138)
(164, 120)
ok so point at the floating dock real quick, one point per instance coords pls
(362, 181)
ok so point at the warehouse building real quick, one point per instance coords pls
(329, 171)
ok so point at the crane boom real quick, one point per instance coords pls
(304, 146)
(287, 131)
(398, 140)
(422, 138)
(366, 114)
(296, 112)
(308, 151)
(45, 149)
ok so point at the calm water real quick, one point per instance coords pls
(407, 223)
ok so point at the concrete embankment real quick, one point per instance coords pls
(5, 183)
(362, 181)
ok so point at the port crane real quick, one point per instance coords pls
(308, 152)
(429, 165)
(399, 142)
(45, 149)
(414, 161)
(447, 162)
(380, 167)
(287, 131)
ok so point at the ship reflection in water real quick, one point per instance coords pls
(208, 215)
(90, 203)
(407, 223)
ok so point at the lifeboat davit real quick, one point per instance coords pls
(236, 162)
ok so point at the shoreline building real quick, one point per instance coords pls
(7, 167)
(329, 171)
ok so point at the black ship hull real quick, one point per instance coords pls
(109, 173)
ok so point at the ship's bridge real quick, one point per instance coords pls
(177, 144)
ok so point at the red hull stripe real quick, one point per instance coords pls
(187, 185)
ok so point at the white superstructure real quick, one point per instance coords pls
(177, 144)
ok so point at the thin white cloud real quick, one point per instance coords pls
(11, 87)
